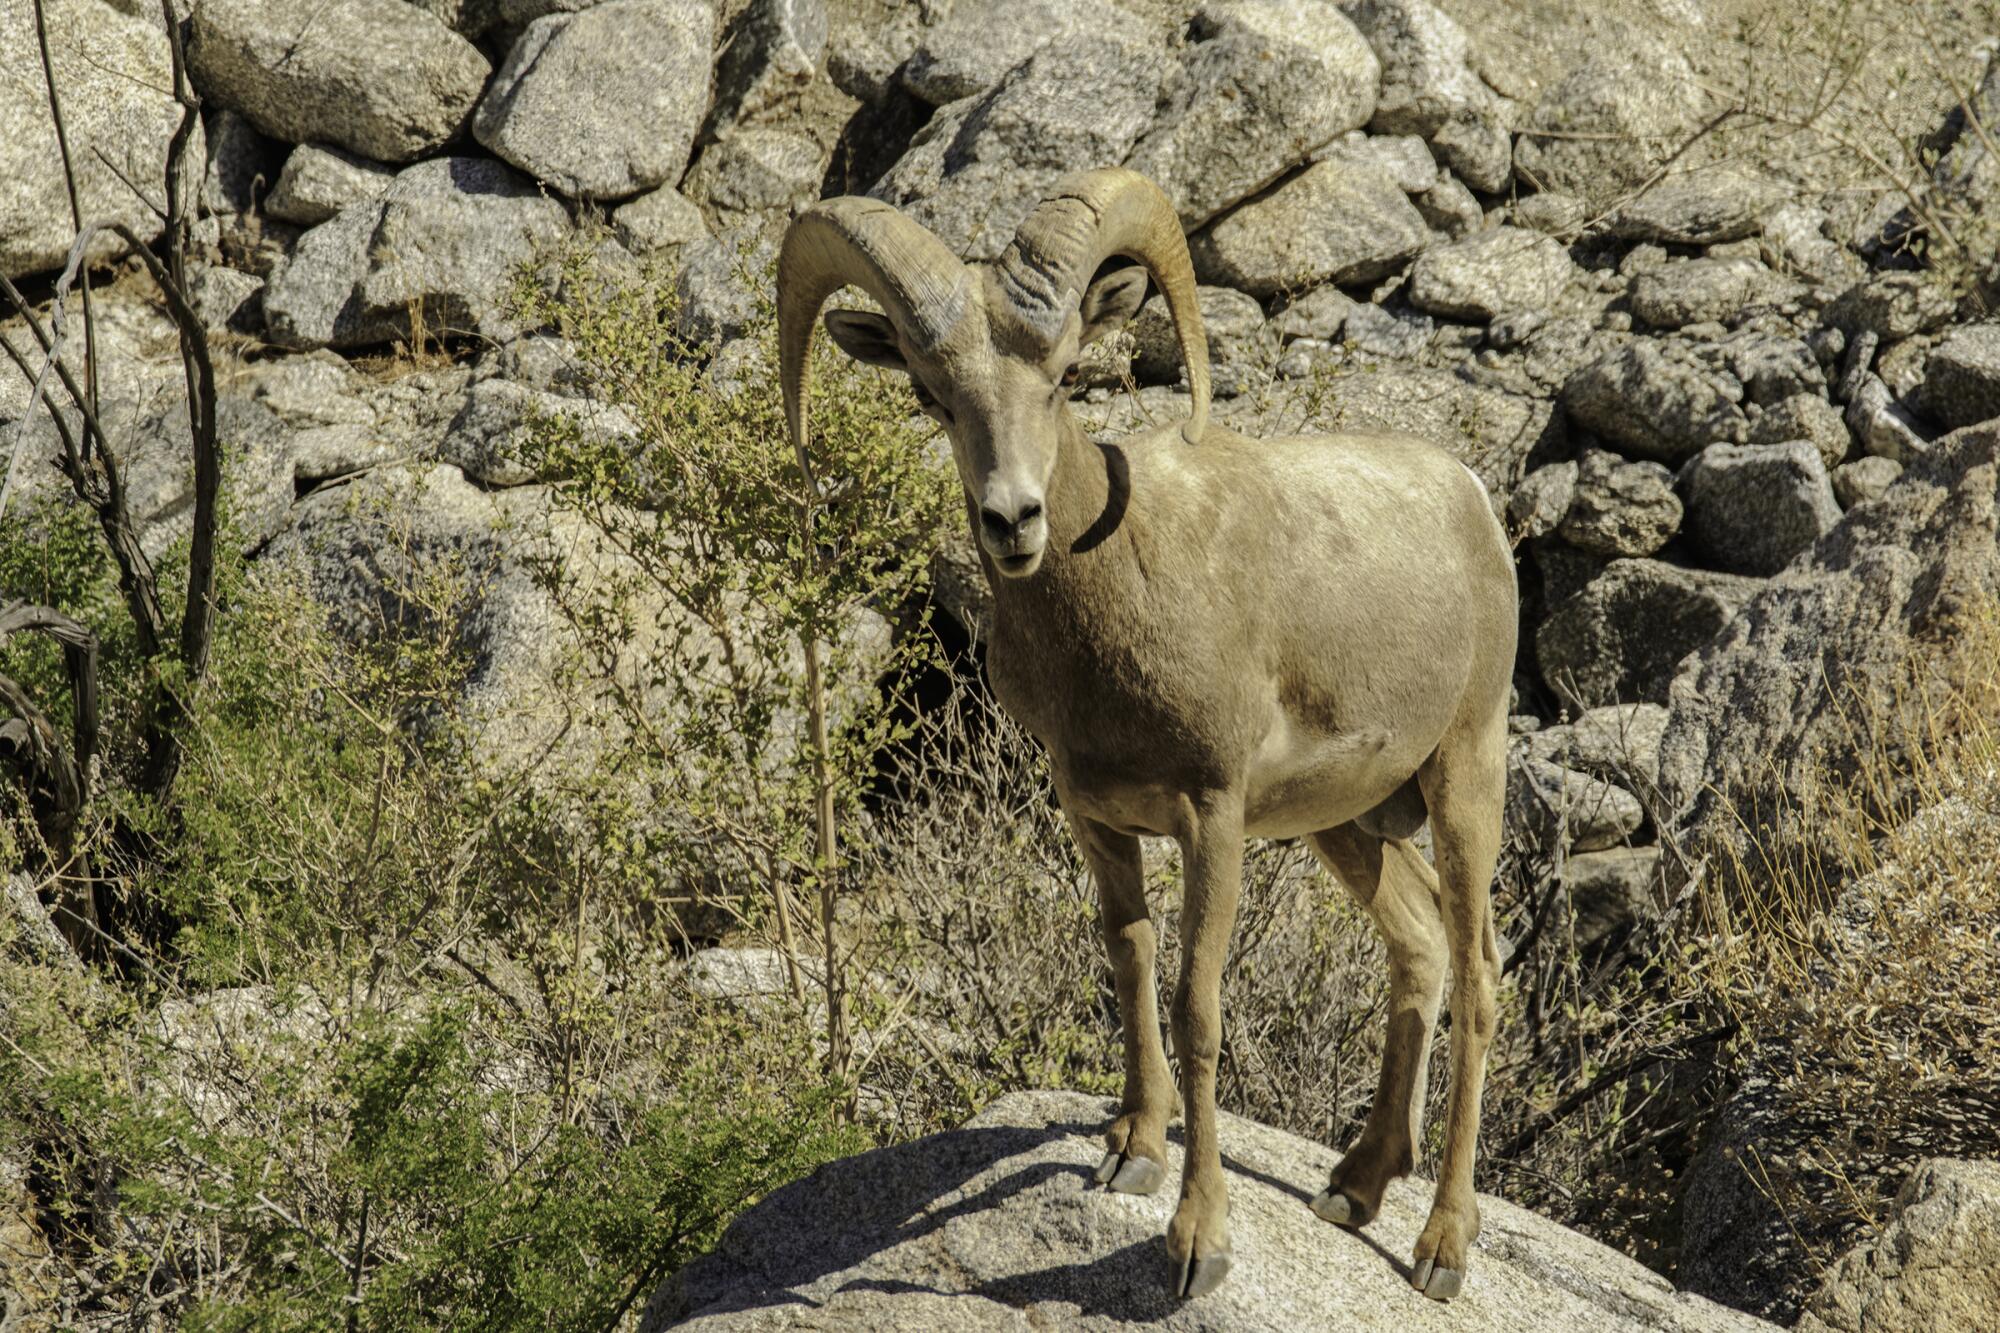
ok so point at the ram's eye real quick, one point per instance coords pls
(928, 402)
(1072, 375)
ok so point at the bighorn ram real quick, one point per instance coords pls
(1214, 637)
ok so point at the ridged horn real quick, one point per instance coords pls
(869, 244)
(1091, 217)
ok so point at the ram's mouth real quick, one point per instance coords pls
(1018, 566)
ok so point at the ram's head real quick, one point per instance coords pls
(990, 349)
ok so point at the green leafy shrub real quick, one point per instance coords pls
(416, 1053)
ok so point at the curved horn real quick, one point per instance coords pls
(1089, 218)
(869, 244)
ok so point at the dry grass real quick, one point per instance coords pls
(1871, 989)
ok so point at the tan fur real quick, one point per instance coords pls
(1306, 637)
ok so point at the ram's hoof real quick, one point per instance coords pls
(1336, 1208)
(1198, 1277)
(1130, 1175)
(1440, 1284)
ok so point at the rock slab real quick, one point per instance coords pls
(1335, 221)
(377, 77)
(1262, 85)
(981, 164)
(1766, 705)
(1752, 507)
(443, 240)
(114, 72)
(1490, 273)
(997, 1226)
(1935, 1267)
(603, 103)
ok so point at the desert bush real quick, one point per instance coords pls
(754, 716)
(413, 1054)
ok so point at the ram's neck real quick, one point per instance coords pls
(1091, 557)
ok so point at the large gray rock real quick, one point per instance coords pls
(661, 223)
(603, 103)
(756, 174)
(1769, 704)
(771, 51)
(1610, 891)
(997, 1226)
(1374, 331)
(1892, 305)
(1610, 121)
(1700, 207)
(1770, 366)
(983, 40)
(1620, 508)
(1804, 416)
(1490, 273)
(1404, 156)
(1550, 807)
(1697, 291)
(720, 285)
(487, 439)
(317, 183)
(1429, 89)
(1655, 399)
(1342, 222)
(1864, 479)
(1619, 742)
(1425, 78)
(364, 548)
(1263, 84)
(157, 470)
(1961, 385)
(1231, 320)
(380, 78)
(444, 239)
(981, 165)
(1621, 637)
(114, 72)
(1936, 1265)
(1751, 508)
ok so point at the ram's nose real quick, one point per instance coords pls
(1014, 532)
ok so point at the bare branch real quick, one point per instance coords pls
(75, 205)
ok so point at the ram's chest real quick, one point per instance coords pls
(1138, 704)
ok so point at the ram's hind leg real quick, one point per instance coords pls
(1465, 788)
(1394, 884)
(1136, 1162)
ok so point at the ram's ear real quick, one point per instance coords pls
(1109, 302)
(866, 337)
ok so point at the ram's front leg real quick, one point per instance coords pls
(1136, 1160)
(1212, 850)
